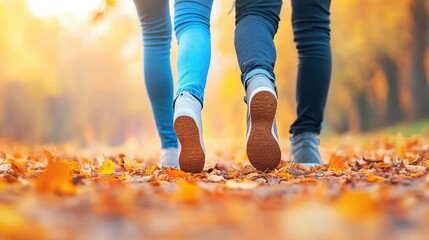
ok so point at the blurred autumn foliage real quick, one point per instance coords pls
(68, 78)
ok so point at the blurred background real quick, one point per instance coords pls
(71, 71)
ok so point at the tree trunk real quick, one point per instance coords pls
(419, 84)
(394, 111)
(364, 110)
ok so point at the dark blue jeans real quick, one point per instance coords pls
(256, 25)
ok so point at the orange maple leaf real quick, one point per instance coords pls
(337, 163)
(56, 178)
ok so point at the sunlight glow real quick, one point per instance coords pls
(78, 8)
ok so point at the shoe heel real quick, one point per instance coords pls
(192, 156)
(263, 149)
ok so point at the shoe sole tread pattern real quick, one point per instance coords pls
(262, 149)
(192, 156)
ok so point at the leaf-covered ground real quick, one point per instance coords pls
(369, 188)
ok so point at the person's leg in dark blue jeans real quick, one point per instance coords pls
(156, 28)
(310, 21)
(256, 25)
(257, 22)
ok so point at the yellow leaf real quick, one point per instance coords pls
(56, 178)
(131, 165)
(427, 163)
(107, 167)
(151, 170)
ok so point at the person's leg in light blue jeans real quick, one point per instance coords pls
(156, 27)
(192, 27)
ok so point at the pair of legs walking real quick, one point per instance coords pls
(256, 26)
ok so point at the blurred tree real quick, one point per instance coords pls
(419, 36)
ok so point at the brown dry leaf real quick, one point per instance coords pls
(57, 178)
(337, 163)
(107, 168)
(416, 169)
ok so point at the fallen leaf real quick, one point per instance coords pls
(415, 169)
(175, 173)
(374, 178)
(107, 168)
(337, 163)
(215, 178)
(131, 165)
(18, 167)
(56, 178)
(49, 156)
(74, 165)
(150, 170)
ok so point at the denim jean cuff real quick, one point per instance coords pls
(194, 93)
(169, 145)
(256, 72)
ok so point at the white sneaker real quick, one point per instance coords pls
(263, 149)
(188, 127)
(170, 157)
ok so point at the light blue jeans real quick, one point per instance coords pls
(192, 27)
(156, 27)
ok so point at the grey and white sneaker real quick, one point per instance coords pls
(262, 146)
(169, 157)
(188, 127)
(305, 150)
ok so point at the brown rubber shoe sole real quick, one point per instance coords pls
(262, 149)
(192, 156)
